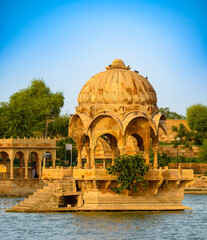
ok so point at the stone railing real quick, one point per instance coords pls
(102, 174)
(57, 173)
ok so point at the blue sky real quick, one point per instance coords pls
(67, 42)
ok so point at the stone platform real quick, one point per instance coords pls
(90, 190)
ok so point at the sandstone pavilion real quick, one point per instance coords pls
(117, 112)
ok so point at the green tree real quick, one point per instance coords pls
(170, 115)
(130, 171)
(203, 152)
(28, 110)
(197, 117)
(59, 127)
(197, 122)
(185, 136)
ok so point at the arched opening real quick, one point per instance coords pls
(18, 165)
(5, 165)
(33, 165)
(140, 142)
(106, 150)
(140, 129)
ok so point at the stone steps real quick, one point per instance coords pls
(47, 198)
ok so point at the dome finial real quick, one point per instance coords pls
(118, 63)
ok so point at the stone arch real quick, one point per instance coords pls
(34, 164)
(109, 144)
(105, 115)
(133, 115)
(140, 126)
(4, 156)
(103, 124)
(140, 142)
(160, 121)
(76, 126)
(20, 156)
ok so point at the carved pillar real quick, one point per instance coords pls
(155, 164)
(147, 156)
(12, 164)
(79, 147)
(113, 156)
(39, 167)
(121, 149)
(11, 168)
(53, 158)
(53, 163)
(121, 145)
(88, 156)
(93, 157)
(155, 149)
(26, 164)
(87, 153)
(20, 167)
(104, 163)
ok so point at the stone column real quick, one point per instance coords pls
(11, 168)
(155, 150)
(39, 167)
(155, 164)
(53, 159)
(121, 149)
(93, 157)
(104, 163)
(80, 156)
(87, 154)
(121, 145)
(26, 164)
(147, 156)
(113, 156)
(11, 156)
(53, 163)
(20, 167)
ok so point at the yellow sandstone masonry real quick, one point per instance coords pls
(117, 113)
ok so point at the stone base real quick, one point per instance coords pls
(90, 190)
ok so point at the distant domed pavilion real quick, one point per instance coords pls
(116, 104)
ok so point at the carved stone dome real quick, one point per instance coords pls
(117, 85)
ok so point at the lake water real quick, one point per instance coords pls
(189, 224)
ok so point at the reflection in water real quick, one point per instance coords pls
(189, 224)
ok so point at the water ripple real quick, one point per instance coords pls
(189, 224)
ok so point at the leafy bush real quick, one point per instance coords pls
(164, 160)
(130, 171)
(205, 173)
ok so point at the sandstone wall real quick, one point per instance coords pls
(170, 135)
(19, 187)
(169, 149)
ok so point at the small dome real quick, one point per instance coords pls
(117, 85)
(117, 63)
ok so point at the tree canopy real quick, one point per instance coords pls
(59, 127)
(170, 115)
(27, 111)
(197, 117)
